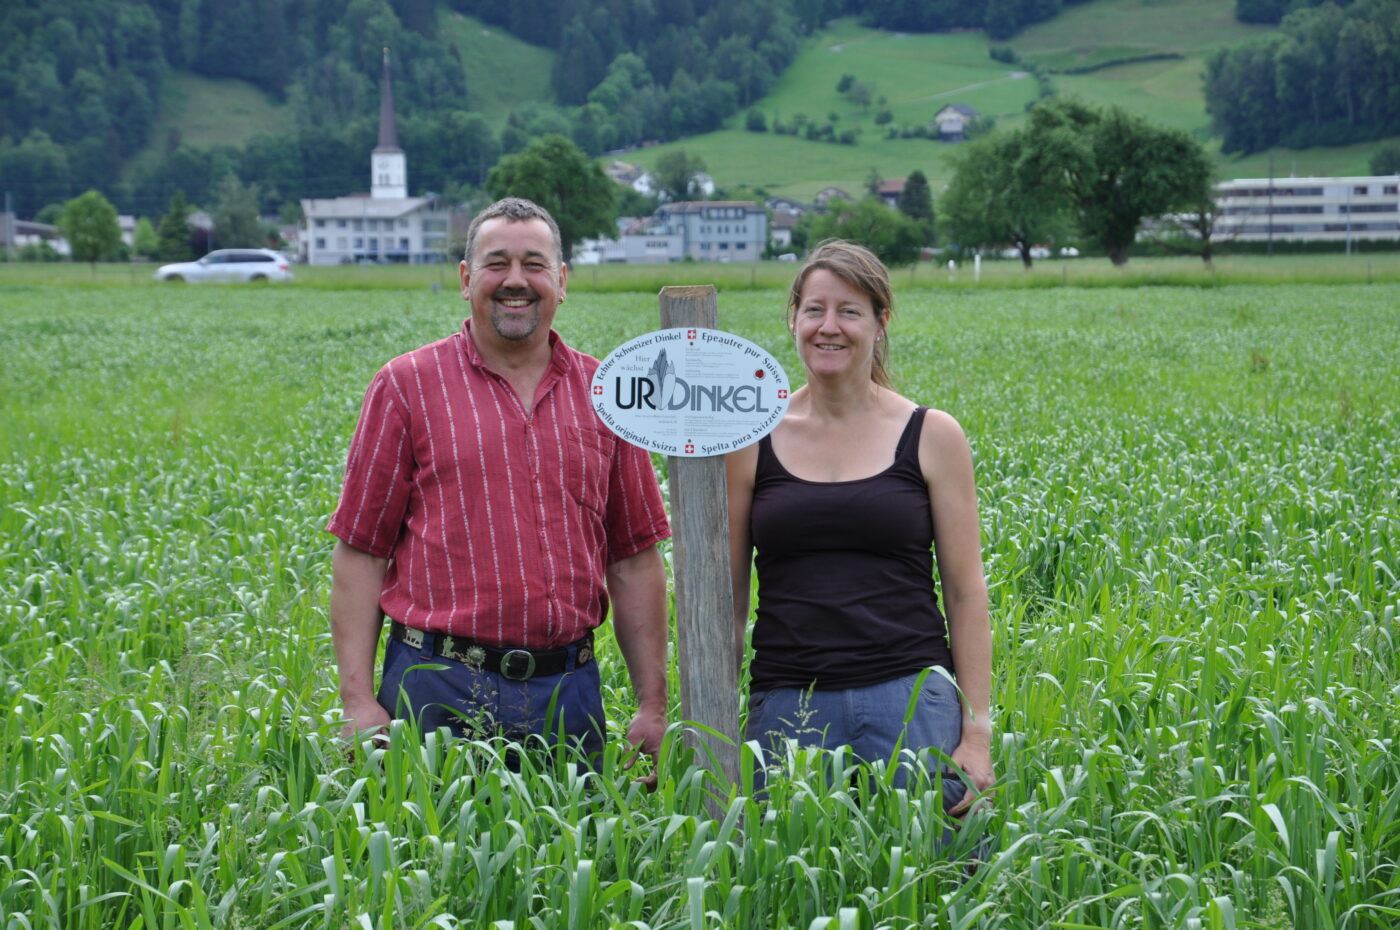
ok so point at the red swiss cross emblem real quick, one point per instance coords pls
(690, 334)
(782, 394)
(690, 448)
(597, 389)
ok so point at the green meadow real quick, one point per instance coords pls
(1190, 524)
(487, 53)
(918, 74)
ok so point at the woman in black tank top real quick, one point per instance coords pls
(847, 503)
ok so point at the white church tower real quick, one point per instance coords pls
(388, 163)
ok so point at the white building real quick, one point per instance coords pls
(951, 121)
(1308, 209)
(385, 225)
(706, 231)
(717, 230)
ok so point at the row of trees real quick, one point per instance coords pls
(1073, 170)
(89, 224)
(1273, 11)
(1001, 18)
(1330, 76)
(1074, 173)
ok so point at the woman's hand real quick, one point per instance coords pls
(974, 757)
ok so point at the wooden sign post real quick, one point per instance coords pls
(709, 669)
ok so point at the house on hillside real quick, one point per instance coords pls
(623, 172)
(785, 205)
(385, 225)
(783, 224)
(890, 191)
(951, 122)
(16, 233)
(828, 194)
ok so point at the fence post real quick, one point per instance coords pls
(709, 669)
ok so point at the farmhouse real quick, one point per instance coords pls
(16, 233)
(828, 194)
(890, 190)
(385, 225)
(1309, 209)
(951, 121)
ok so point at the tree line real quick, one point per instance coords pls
(83, 82)
(1330, 76)
(1000, 18)
(1273, 11)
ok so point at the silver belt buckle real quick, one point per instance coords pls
(529, 665)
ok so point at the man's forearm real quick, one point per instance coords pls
(637, 586)
(356, 620)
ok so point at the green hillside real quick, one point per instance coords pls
(919, 74)
(215, 111)
(913, 74)
(502, 71)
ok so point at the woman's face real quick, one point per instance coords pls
(836, 327)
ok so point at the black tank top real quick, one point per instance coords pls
(846, 596)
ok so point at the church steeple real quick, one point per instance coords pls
(388, 164)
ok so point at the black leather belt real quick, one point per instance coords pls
(516, 664)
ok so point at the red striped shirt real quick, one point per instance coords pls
(498, 521)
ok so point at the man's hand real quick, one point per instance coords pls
(638, 589)
(644, 735)
(974, 757)
(355, 624)
(364, 716)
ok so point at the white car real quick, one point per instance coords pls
(229, 265)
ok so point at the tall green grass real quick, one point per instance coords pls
(1191, 527)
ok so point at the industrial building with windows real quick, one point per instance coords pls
(1308, 209)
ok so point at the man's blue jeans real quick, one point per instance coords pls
(478, 703)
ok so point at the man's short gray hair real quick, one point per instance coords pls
(518, 209)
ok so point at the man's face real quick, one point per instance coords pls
(515, 281)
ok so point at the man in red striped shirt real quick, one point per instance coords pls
(490, 515)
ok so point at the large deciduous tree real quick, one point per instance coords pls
(89, 223)
(1386, 159)
(998, 197)
(891, 235)
(1114, 168)
(555, 174)
(677, 175)
(235, 215)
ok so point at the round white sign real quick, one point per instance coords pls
(690, 392)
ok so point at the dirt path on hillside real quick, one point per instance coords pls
(1013, 76)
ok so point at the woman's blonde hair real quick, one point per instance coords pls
(857, 266)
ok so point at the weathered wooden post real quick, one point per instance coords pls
(694, 393)
(700, 566)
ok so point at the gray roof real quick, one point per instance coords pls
(362, 206)
(695, 206)
(962, 108)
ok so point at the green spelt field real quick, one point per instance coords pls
(1191, 525)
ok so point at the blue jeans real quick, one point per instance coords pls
(478, 703)
(869, 719)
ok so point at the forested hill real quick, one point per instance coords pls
(82, 81)
(1330, 76)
